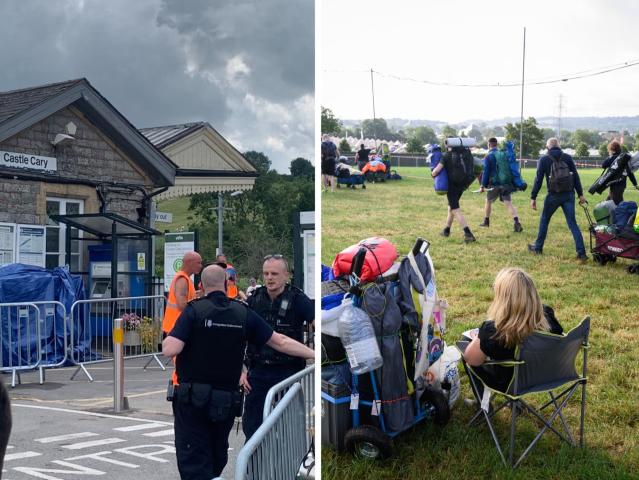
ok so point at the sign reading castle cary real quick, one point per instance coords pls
(21, 160)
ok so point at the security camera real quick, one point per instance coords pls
(62, 139)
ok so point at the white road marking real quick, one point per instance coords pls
(101, 456)
(69, 436)
(18, 456)
(141, 426)
(161, 433)
(92, 414)
(93, 443)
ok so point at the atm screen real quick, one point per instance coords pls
(100, 288)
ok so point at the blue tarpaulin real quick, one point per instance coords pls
(21, 283)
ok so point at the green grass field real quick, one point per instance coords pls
(403, 210)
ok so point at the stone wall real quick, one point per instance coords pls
(91, 157)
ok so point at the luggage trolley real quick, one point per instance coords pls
(606, 246)
(352, 425)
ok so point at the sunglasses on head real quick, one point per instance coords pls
(276, 256)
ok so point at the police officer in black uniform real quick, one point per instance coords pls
(209, 340)
(287, 310)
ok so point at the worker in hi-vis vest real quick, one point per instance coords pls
(181, 292)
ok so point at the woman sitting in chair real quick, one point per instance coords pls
(514, 314)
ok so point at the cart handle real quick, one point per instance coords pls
(418, 245)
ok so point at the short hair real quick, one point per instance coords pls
(362, 146)
(278, 258)
(492, 141)
(614, 147)
(213, 277)
(552, 142)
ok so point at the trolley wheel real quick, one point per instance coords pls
(598, 258)
(437, 399)
(612, 258)
(633, 269)
(363, 187)
(368, 441)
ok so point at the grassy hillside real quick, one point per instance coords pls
(401, 211)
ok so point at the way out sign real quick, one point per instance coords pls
(175, 246)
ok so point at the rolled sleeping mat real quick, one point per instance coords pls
(461, 142)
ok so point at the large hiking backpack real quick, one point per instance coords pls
(460, 167)
(560, 179)
(502, 174)
(329, 150)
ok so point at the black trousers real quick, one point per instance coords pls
(201, 445)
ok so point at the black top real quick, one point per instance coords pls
(543, 170)
(362, 154)
(497, 376)
(215, 332)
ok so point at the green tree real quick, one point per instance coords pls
(300, 167)
(548, 133)
(329, 122)
(344, 146)
(475, 133)
(414, 145)
(448, 131)
(589, 137)
(603, 149)
(566, 138)
(259, 161)
(581, 150)
(424, 134)
(376, 129)
(533, 137)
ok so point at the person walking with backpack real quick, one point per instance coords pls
(329, 157)
(618, 186)
(458, 163)
(562, 181)
(497, 175)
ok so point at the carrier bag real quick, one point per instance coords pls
(611, 174)
(444, 374)
(441, 180)
(603, 212)
(380, 256)
(625, 214)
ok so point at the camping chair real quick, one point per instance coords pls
(544, 362)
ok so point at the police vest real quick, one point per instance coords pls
(281, 316)
(214, 352)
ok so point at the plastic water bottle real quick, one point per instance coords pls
(358, 337)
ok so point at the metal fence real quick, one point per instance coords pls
(306, 378)
(276, 449)
(32, 335)
(91, 326)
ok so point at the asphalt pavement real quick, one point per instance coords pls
(67, 429)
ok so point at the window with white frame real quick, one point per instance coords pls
(56, 233)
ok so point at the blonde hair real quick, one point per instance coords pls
(516, 310)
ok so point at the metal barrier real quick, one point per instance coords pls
(20, 347)
(91, 326)
(277, 448)
(306, 379)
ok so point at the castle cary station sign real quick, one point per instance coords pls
(22, 160)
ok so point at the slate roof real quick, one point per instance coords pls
(17, 101)
(163, 136)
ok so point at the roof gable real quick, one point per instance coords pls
(22, 108)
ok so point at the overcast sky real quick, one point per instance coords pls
(477, 42)
(245, 66)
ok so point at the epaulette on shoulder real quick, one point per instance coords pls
(237, 300)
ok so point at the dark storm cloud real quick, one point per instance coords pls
(228, 63)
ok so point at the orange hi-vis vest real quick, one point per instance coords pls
(171, 313)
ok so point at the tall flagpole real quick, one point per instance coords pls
(521, 124)
(373, 96)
